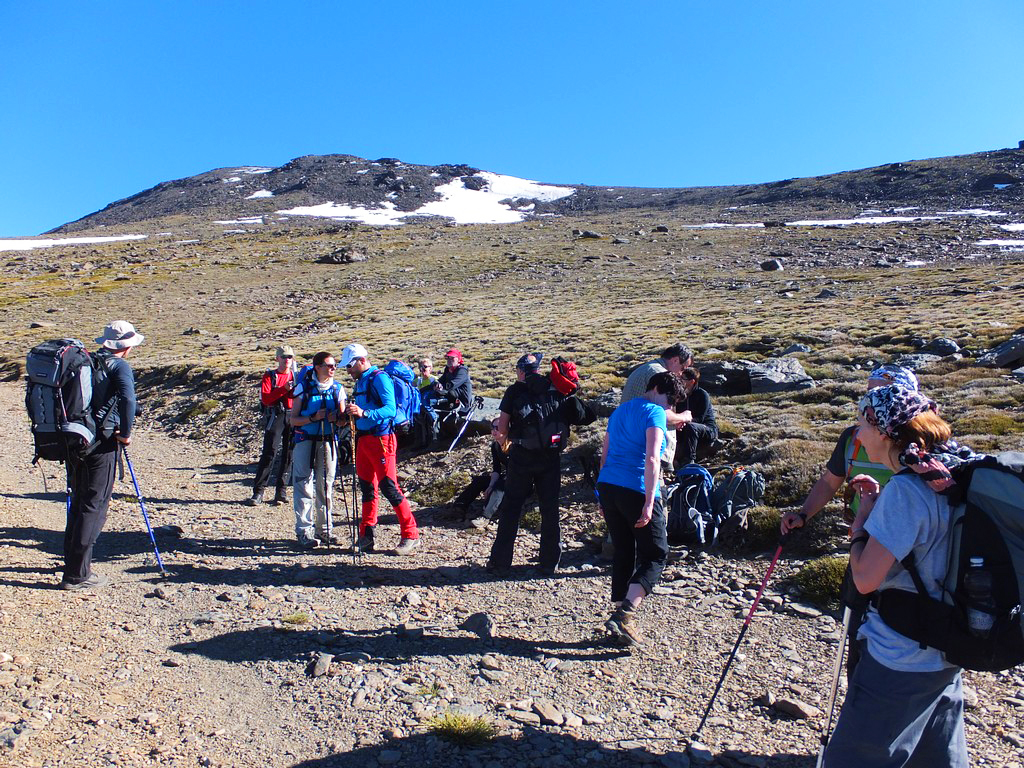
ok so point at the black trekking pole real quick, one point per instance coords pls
(478, 402)
(349, 512)
(142, 506)
(743, 632)
(836, 671)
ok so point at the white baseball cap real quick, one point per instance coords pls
(351, 352)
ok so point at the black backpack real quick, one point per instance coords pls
(690, 518)
(987, 505)
(736, 491)
(539, 421)
(63, 384)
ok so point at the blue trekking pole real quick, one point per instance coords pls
(142, 506)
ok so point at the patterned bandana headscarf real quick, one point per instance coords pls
(895, 374)
(889, 408)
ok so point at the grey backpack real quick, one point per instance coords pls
(735, 491)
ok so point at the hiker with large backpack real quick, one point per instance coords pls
(674, 359)
(276, 401)
(318, 402)
(629, 493)
(905, 700)
(535, 418)
(697, 417)
(374, 410)
(91, 476)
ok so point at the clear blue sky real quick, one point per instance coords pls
(99, 100)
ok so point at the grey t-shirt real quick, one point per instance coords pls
(908, 516)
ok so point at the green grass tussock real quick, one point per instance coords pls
(463, 730)
(821, 580)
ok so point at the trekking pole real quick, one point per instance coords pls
(836, 671)
(478, 402)
(328, 514)
(356, 551)
(344, 502)
(743, 632)
(142, 506)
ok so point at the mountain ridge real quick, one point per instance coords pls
(398, 189)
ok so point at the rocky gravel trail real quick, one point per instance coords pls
(253, 654)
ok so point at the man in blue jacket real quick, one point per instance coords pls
(373, 409)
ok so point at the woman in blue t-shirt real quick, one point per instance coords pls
(629, 487)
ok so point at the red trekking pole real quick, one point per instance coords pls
(743, 631)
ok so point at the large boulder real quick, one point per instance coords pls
(1009, 354)
(743, 377)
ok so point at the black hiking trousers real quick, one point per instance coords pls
(277, 444)
(91, 481)
(529, 470)
(640, 554)
(688, 437)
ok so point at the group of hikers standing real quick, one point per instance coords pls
(905, 700)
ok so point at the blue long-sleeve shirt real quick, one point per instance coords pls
(375, 393)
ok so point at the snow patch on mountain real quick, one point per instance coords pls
(27, 245)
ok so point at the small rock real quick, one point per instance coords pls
(389, 757)
(148, 718)
(772, 265)
(480, 624)
(700, 754)
(526, 718)
(941, 346)
(412, 598)
(661, 228)
(549, 713)
(970, 697)
(825, 293)
(796, 708)
(321, 664)
(490, 662)
(588, 234)
(409, 632)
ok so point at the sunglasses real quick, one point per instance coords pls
(330, 366)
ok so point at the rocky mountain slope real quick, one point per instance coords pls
(987, 178)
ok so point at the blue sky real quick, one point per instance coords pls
(101, 100)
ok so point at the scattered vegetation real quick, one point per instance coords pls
(462, 729)
(821, 580)
(295, 619)
(440, 491)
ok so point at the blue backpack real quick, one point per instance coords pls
(691, 519)
(407, 397)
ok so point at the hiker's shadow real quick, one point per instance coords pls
(533, 747)
(386, 645)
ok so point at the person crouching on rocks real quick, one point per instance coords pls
(492, 484)
(318, 402)
(629, 490)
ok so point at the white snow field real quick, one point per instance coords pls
(27, 245)
(463, 205)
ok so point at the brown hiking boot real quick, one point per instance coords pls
(622, 625)
(406, 546)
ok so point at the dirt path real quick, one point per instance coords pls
(210, 666)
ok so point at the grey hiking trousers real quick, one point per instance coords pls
(308, 474)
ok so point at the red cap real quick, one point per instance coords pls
(454, 353)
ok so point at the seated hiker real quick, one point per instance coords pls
(492, 483)
(450, 396)
(453, 389)
(425, 379)
(698, 419)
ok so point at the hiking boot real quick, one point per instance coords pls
(478, 522)
(497, 570)
(406, 546)
(329, 539)
(622, 625)
(279, 498)
(307, 542)
(92, 581)
(365, 541)
(255, 500)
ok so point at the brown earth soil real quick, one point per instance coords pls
(209, 667)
